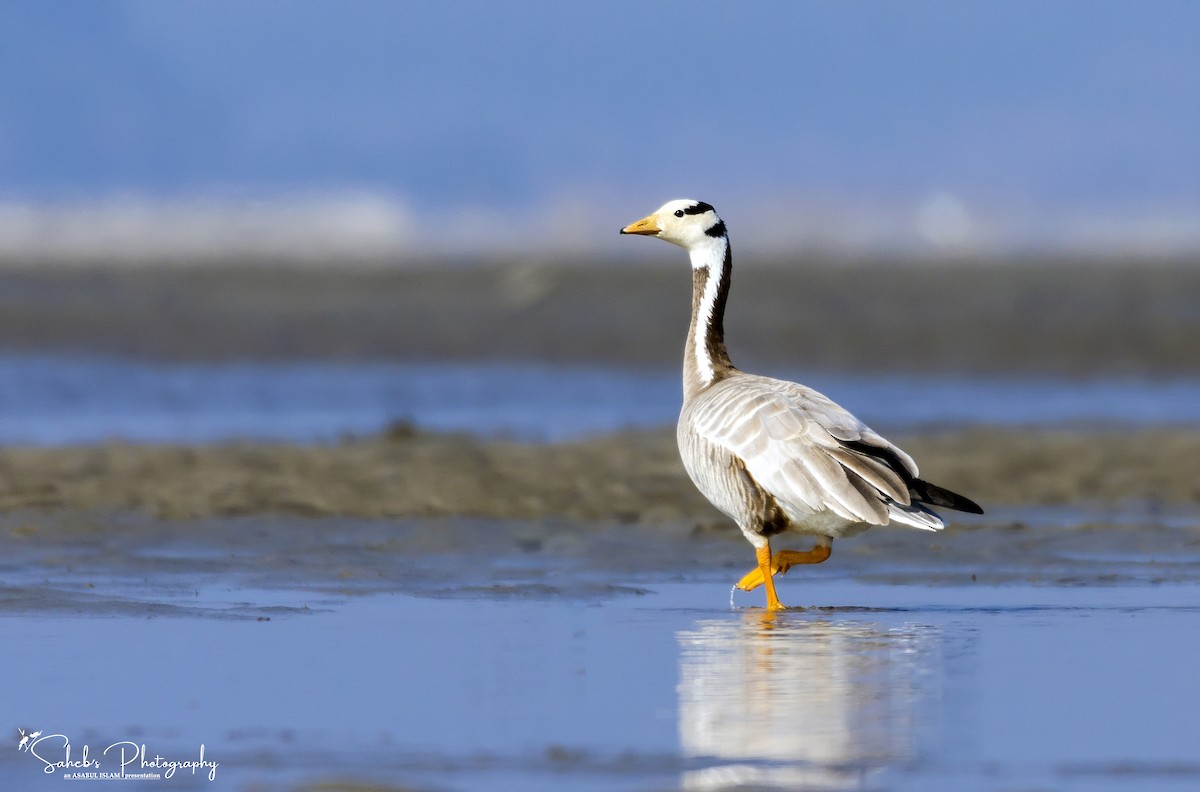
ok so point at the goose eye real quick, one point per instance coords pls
(679, 213)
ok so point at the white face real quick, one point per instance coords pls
(684, 222)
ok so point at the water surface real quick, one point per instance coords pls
(883, 687)
(59, 400)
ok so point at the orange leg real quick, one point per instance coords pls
(782, 562)
(764, 568)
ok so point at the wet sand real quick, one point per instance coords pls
(419, 512)
(632, 477)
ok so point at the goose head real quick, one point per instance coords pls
(692, 225)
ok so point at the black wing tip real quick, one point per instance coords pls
(922, 490)
(968, 505)
(939, 496)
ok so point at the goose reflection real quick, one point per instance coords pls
(788, 700)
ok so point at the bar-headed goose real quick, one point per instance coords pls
(773, 455)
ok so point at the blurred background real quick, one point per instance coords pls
(297, 219)
(143, 128)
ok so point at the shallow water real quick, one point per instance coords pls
(56, 400)
(888, 687)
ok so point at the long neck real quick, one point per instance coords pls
(705, 360)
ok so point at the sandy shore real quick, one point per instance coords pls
(631, 477)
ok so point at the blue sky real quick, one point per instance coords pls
(1015, 118)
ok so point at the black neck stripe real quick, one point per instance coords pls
(698, 208)
(717, 231)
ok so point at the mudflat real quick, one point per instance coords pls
(632, 477)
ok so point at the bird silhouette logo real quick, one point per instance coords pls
(26, 739)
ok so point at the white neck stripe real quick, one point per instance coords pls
(713, 260)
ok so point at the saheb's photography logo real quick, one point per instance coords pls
(121, 761)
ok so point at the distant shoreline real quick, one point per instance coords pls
(1025, 316)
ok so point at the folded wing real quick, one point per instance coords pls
(815, 457)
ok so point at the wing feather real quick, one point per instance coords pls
(873, 472)
(793, 441)
(837, 493)
(879, 510)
